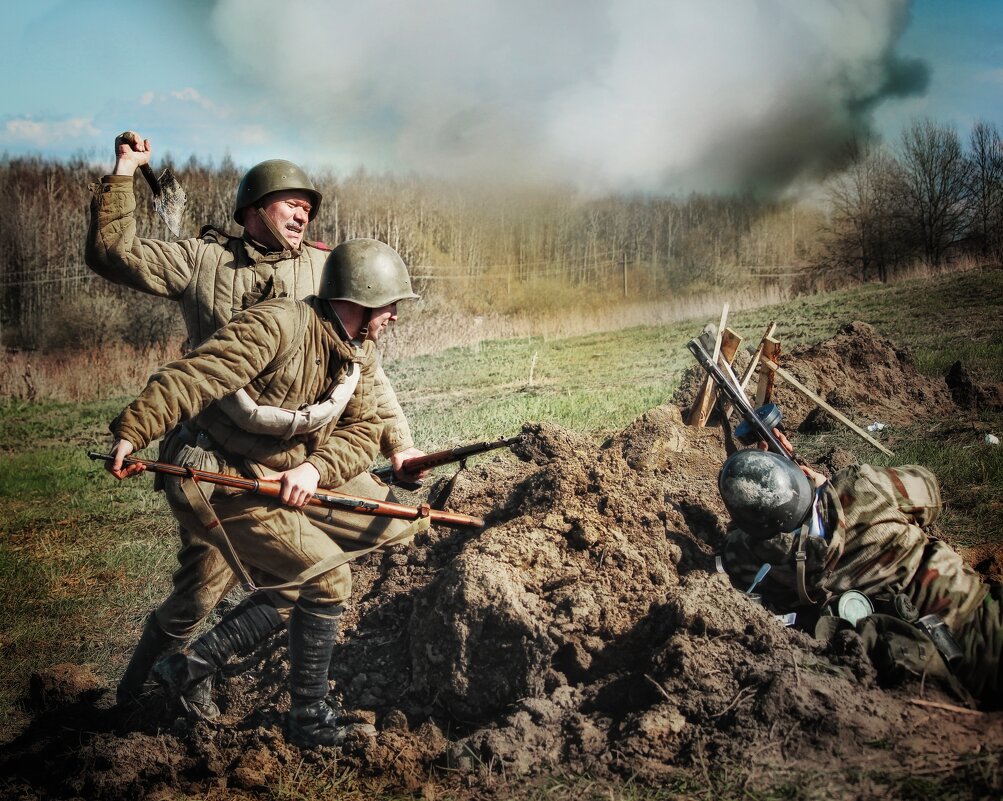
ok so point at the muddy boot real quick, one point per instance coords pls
(312, 719)
(188, 676)
(152, 645)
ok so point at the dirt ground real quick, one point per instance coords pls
(584, 630)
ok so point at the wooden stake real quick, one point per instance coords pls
(764, 387)
(705, 385)
(780, 371)
(751, 368)
(704, 403)
(747, 375)
(946, 707)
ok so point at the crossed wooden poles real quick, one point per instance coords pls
(767, 358)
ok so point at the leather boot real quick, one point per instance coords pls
(188, 676)
(152, 645)
(312, 719)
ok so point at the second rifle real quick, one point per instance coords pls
(418, 463)
(730, 386)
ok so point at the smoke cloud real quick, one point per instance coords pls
(610, 95)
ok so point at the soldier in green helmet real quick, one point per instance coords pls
(862, 535)
(211, 277)
(285, 354)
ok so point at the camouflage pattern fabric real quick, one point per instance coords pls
(875, 543)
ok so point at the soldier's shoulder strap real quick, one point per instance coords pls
(211, 233)
(303, 312)
(318, 245)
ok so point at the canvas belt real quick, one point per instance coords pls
(800, 558)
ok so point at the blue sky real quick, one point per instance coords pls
(609, 94)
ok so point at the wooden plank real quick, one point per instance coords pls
(764, 387)
(706, 384)
(754, 363)
(730, 342)
(780, 371)
(939, 705)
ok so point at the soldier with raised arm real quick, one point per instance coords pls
(212, 277)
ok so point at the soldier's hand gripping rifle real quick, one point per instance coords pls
(729, 384)
(326, 499)
(418, 463)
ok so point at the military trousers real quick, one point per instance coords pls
(275, 543)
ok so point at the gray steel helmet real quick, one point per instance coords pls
(765, 493)
(367, 272)
(274, 175)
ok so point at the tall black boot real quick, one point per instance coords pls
(153, 644)
(312, 720)
(188, 676)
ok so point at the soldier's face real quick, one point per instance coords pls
(289, 211)
(380, 319)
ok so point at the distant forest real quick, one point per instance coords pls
(932, 197)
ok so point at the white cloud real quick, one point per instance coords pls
(44, 133)
(190, 95)
(254, 135)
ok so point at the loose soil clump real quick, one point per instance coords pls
(584, 630)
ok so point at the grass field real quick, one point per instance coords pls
(83, 557)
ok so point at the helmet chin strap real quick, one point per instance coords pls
(343, 330)
(274, 230)
(364, 331)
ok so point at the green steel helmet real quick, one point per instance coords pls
(367, 272)
(765, 493)
(274, 175)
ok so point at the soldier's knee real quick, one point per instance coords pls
(332, 587)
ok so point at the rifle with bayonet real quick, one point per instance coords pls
(327, 499)
(418, 463)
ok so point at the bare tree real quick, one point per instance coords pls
(986, 187)
(864, 235)
(933, 178)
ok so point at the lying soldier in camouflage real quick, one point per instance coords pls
(862, 531)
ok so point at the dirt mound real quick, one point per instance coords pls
(585, 628)
(857, 372)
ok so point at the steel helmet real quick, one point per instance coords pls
(274, 175)
(765, 493)
(367, 272)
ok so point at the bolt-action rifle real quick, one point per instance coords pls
(729, 384)
(418, 463)
(327, 499)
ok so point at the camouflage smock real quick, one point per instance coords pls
(874, 543)
(213, 276)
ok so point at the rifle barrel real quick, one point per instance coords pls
(429, 460)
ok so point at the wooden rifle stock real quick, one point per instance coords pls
(327, 499)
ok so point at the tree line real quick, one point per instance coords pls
(930, 197)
